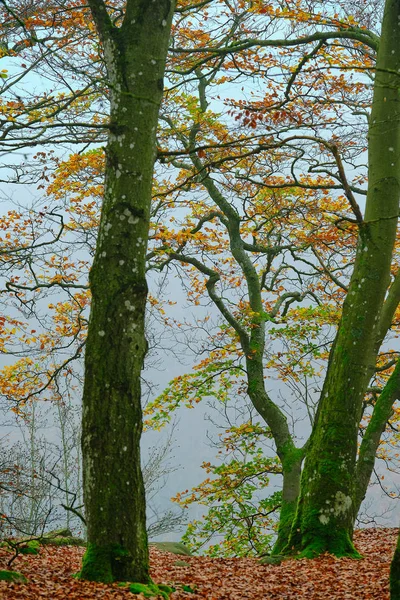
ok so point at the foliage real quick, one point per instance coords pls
(239, 513)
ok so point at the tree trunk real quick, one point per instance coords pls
(395, 573)
(291, 457)
(383, 410)
(291, 467)
(135, 55)
(326, 508)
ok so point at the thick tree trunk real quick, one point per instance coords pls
(135, 56)
(326, 508)
(395, 573)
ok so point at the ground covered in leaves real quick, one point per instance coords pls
(50, 575)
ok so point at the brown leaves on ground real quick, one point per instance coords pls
(50, 575)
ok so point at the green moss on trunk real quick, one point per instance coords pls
(292, 459)
(106, 564)
(327, 505)
(135, 55)
(286, 518)
(395, 574)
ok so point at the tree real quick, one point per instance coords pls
(325, 514)
(239, 168)
(135, 54)
(328, 495)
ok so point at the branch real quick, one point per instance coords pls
(213, 278)
(383, 410)
(75, 512)
(347, 189)
(328, 272)
(101, 19)
(366, 37)
(388, 310)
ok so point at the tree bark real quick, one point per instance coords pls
(135, 55)
(290, 456)
(383, 410)
(326, 507)
(395, 573)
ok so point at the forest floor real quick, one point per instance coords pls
(327, 577)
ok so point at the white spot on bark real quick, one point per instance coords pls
(129, 306)
(324, 519)
(102, 333)
(121, 262)
(342, 503)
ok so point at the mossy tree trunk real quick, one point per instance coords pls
(135, 54)
(326, 508)
(395, 573)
